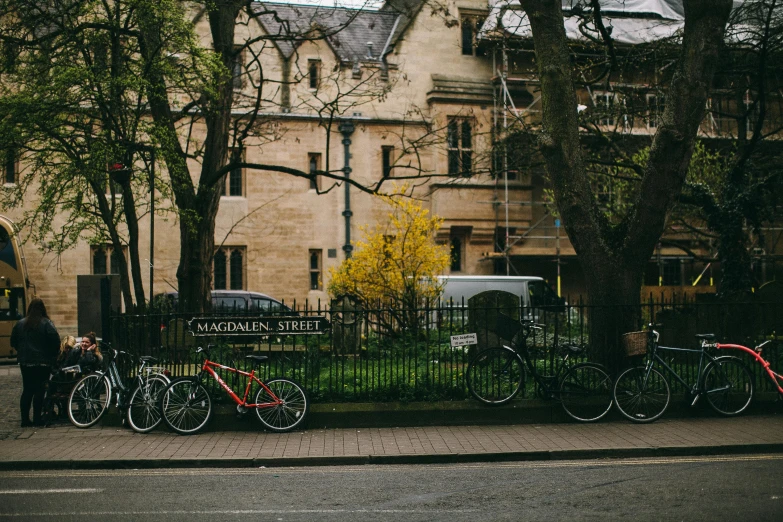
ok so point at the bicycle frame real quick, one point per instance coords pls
(775, 377)
(209, 367)
(704, 359)
(548, 383)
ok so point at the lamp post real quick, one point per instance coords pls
(346, 128)
(152, 223)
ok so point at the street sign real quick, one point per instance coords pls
(464, 340)
(258, 325)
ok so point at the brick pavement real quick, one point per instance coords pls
(64, 446)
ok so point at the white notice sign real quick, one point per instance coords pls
(464, 339)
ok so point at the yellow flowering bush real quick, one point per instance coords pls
(394, 265)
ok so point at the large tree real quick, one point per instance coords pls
(158, 76)
(613, 255)
(72, 101)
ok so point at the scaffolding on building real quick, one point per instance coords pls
(505, 117)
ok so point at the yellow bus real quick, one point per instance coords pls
(15, 288)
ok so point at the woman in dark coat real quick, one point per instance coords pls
(37, 344)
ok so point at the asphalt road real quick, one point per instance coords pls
(733, 488)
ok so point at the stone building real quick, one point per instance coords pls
(419, 89)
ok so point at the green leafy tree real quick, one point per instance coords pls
(72, 101)
(101, 81)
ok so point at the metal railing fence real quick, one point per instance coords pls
(378, 354)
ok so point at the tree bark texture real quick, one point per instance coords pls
(613, 257)
(197, 203)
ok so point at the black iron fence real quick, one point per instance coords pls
(382, 355)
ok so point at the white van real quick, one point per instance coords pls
(533, 291)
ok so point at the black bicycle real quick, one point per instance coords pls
(496, 375)
(136, 399)
(642, 393)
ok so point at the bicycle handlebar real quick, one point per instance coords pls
(758, 348)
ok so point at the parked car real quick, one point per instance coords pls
(224, 301)
(533, 292)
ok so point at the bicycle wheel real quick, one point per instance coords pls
(288, 415)
(185, 406)
(144, 404)
(586, 392)
(641, 396)
(495, 376)
(728, 386)
(89, 400)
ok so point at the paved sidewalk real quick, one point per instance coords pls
(102, 447)
(64, 446)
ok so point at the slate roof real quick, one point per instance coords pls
(348, 31)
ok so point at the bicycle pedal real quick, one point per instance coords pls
(695, 400)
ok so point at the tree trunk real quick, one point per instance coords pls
(197, 205)
(129, 206)
(197, 245)
(613, 289)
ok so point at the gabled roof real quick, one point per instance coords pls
(353, 34)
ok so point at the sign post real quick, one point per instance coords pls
(289, 325)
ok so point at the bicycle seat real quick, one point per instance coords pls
(257, 358)
(147, 358)
(706, 337)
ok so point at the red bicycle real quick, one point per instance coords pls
(776, 378)
(186, 405)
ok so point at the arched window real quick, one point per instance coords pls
(220, 270)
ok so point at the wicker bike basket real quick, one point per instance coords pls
(635, 343)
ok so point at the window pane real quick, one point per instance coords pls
(315, 269)
(467, 163)
(453, 162)
(260, 304)
(235, 182)
(314, 70)
(236, 270)
(220, 270)
(99, 261)
(453, 137)
(115, 262)
(315, 165)
(456, 254)
(467, 37)
(10, 166)
(386, 153)
(467, 141)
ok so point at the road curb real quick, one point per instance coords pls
(362, 460)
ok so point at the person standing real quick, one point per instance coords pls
(37, 344)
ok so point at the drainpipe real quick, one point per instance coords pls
(346, 128)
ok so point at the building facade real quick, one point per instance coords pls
(420, 94)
